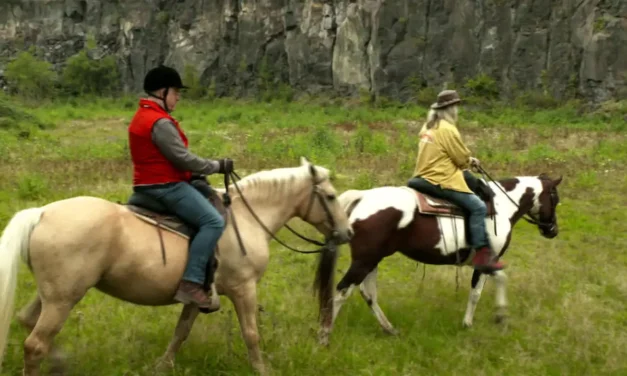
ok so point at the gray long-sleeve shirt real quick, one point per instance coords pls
(167, 139)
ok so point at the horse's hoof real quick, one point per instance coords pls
(500, 318)
(164, 364)
(391, 331)
(58, 370)
(467, 324)
(323, 337)
(324, 340)
(261, 370)
(58, 363)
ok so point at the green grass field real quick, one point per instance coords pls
(567, 296)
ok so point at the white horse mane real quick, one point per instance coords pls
(280, 182)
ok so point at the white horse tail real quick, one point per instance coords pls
(13, 246)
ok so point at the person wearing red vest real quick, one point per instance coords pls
(162, 169)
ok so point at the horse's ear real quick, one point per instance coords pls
(557, 181)
(303, 161)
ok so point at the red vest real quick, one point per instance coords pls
(149, 165)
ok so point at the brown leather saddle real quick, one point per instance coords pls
(153, 212)
(430, 205)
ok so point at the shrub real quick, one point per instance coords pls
(83, 75)
(29, 77)
(191, 79)
(483, 87)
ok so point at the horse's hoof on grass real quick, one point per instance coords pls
(323, 337)
(324, 341)
(467, 324)
(391, 331)
(500, 318)
(58, 363)
(163, 365)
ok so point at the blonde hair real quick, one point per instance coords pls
(435, 115)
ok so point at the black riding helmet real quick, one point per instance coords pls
(162, 77)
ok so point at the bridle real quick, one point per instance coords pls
(315, 193)
(530, 218)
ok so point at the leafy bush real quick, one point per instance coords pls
(29, 77)
(483, 87)
(191, 79)
(83, 75)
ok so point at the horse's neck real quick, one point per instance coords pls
(274, 205)
(506, 207)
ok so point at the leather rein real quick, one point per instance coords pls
(532, 218)
(314, 194)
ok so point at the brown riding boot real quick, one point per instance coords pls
(485, 261)
(190, 292)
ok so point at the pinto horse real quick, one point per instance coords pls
(432, 231)
(73, 245)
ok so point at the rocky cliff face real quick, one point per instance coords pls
(388, 47)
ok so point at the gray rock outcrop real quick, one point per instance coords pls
(389, 48)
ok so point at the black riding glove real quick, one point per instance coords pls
(196, 176)
(226, 166)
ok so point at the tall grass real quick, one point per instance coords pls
(567, 295)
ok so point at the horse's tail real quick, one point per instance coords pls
(324, 282)
(13, 246)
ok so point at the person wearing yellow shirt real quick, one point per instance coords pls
(440, 164)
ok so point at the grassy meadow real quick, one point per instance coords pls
(567, 296)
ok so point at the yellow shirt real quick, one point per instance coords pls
(442, 155)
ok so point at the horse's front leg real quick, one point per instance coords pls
(478, 281)
(183, 328)
(501, 295)
(476, 287)
(244, 299)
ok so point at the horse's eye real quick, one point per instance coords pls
(330, 197)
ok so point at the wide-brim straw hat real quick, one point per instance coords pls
(446, 98)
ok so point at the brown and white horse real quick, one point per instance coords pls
(389, 219)
(80, 243)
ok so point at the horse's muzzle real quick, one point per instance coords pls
(550, 232)
(342, 237)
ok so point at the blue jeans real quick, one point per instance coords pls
(471, 203)
(188, 204)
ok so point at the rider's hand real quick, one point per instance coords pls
(196, 176)
(474, 162)
(226, 166)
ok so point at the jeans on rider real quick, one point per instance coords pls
(188, 204)
(471, 203)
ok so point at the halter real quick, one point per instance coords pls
(550, 226)
(315, 192)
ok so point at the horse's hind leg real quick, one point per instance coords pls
(28, 317)
(39, 342)
(354, 276)
(183, 327)
(368, 289)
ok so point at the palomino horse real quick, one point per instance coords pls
(390, 219)
(75, 244)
